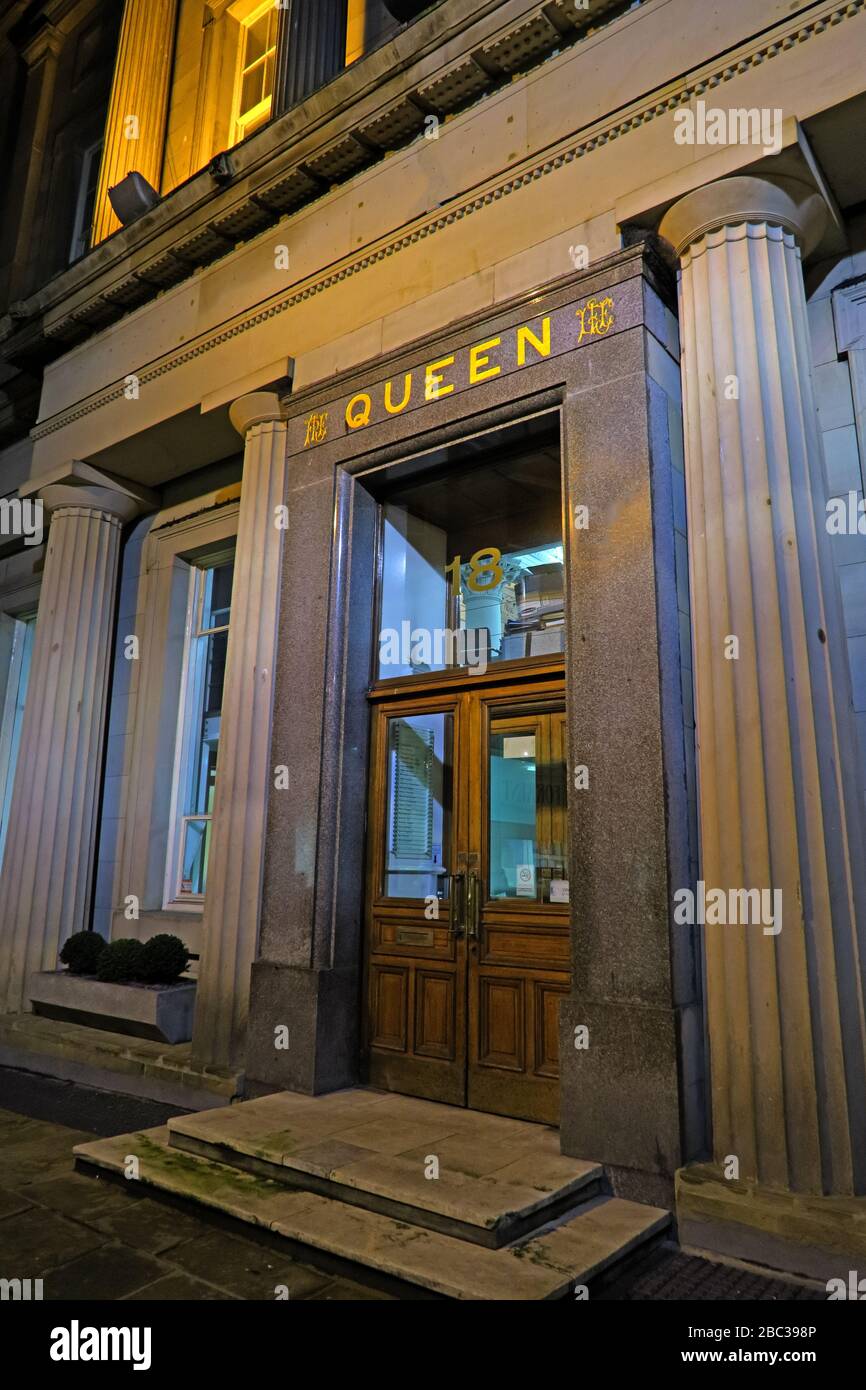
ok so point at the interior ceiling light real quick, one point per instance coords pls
(132, 197)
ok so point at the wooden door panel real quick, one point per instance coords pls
(501, 1022)
(402, 934)
(389, 1006)
(546, 1001)
(542, 946)
(435, 1015)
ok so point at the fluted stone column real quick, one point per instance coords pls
(311, 48)
(244, 774)
(140, 90)
(46, 880)
(785, 1011)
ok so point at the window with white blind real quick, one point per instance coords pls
(418, 812)
(198, 734)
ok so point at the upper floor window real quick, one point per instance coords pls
(18, 634)
(198, 733)
(254, 90)
(88, 183)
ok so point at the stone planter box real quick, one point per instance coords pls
(161, 1012)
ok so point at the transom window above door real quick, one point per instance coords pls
(472, 564)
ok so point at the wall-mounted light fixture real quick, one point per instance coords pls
(220, 168)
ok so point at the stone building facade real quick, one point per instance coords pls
(539, 323)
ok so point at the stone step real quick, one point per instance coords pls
(498, 1179)
(545, 1266)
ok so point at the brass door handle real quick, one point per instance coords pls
(458, 904)
(472, 906)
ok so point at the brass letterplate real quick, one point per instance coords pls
(416, 936)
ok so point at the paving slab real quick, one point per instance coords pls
(343, 1291)
(69, 1194)
(104, 1274)
(472, 1155)
(11, 1122)
(143, 1224)
(36, 1241)
(12, 1202)
(252, 1271)
(178, 1288)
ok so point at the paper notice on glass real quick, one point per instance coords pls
(559, 890)
(526, 880)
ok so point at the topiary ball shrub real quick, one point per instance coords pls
(82, 952)
(164, 959)
(120, 961)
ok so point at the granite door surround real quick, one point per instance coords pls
(585, 351)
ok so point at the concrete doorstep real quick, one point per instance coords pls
(344, 1175)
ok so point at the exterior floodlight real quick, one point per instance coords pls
(132, 197)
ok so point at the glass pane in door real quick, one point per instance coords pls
(513, 815)
(527, 814)
(553, 867)
(418, 807)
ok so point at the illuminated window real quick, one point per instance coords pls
(198, 732)
(482, 580)
(256, 65)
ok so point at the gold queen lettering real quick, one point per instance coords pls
(596, 319)
(533, 342)
(317, 428)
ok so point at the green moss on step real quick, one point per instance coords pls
(200, 1177)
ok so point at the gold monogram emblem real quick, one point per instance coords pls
(596, 319)
(317, 428)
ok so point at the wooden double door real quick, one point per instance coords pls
(467, 916)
